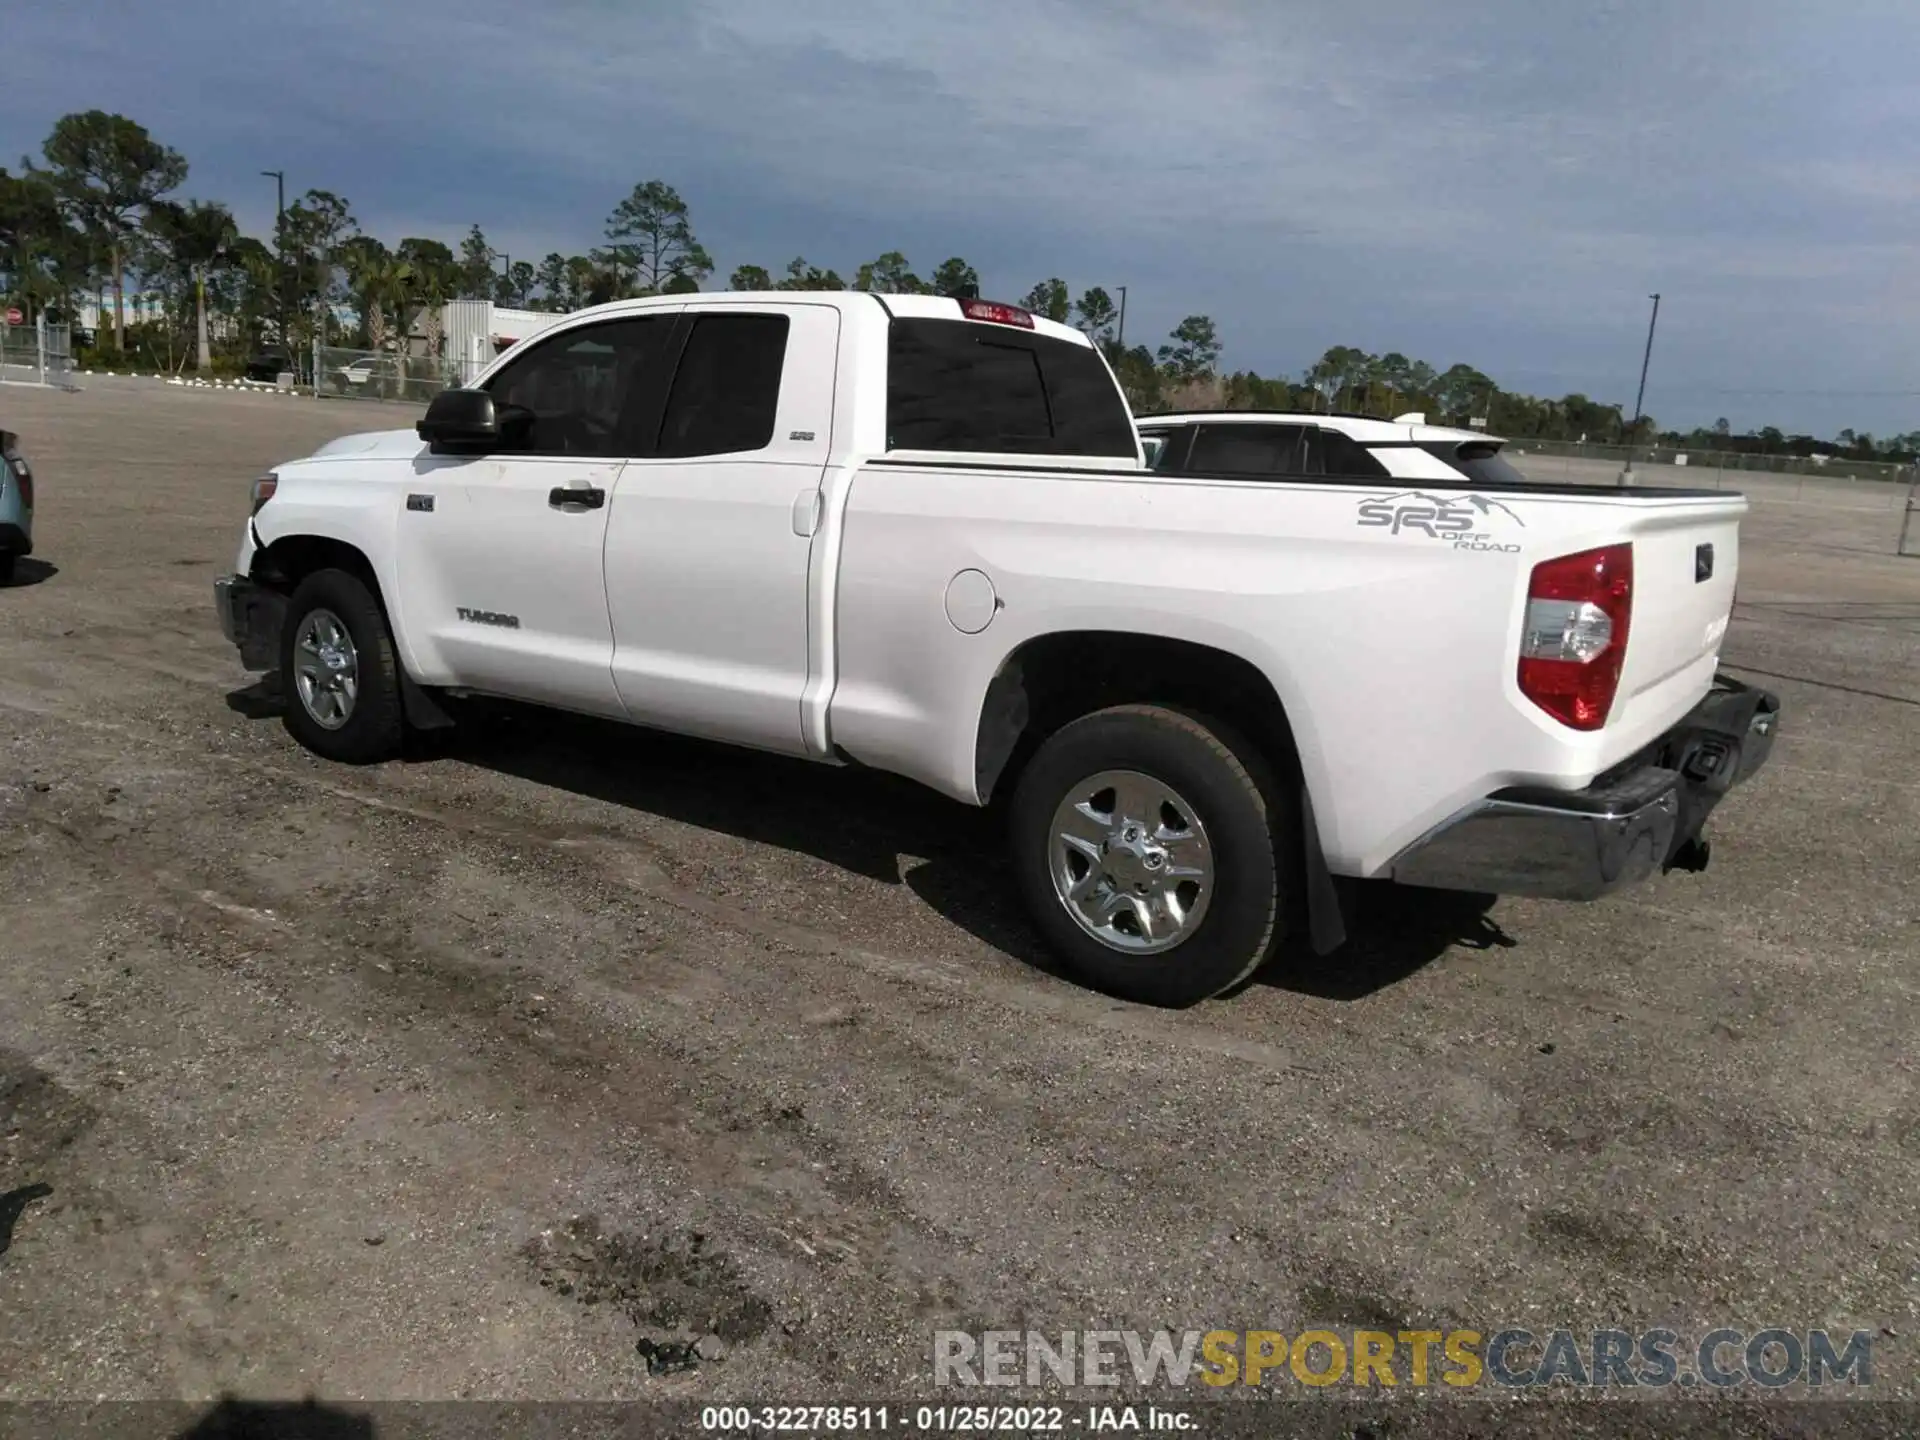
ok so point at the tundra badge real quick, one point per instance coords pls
(489, 617)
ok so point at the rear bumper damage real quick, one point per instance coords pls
(1643, 816)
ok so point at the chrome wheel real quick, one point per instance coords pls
(1130, 861)
(326, 669)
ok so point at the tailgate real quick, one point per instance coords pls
(1686, 559)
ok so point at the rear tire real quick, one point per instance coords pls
(1177, 902)
(6, 567)
(339, 671)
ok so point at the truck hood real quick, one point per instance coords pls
(378, 444)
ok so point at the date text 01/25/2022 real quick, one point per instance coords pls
(950, 1419)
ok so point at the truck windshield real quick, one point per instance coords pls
(1480, 462)
(963, 385)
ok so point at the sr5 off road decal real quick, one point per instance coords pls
(1455, 519)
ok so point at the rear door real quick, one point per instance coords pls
(711, 529)
(503, 552)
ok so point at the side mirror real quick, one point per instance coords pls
(460, 422)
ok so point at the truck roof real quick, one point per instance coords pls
(922, 307)
(944, 307)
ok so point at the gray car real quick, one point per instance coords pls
(16, 505)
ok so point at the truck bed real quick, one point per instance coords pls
(1394, 653)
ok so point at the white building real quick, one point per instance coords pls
(474, 331)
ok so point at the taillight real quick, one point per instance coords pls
(23, 476)
(1575, 637)
(997, 313)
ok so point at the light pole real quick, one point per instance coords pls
(1120, 340)
(1633, 435)
(279, 178)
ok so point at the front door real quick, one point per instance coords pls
(506, 549)
(710, 535)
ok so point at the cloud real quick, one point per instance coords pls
(1503, 184)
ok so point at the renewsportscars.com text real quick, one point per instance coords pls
(1770, 1358)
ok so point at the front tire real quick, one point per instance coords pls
(1152, 847)
(7, 562)
(339, 672)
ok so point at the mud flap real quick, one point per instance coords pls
(422, 710)
(1326, 925)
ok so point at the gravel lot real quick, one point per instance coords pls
(453, 1077)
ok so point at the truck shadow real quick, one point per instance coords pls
(892, 830)
(232, 1419)
(857, 820)
(1392, 932)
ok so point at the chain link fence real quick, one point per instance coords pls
(1860, 484)
(1836, 487)
(1826, 467)
(369, 375)
(37, 354)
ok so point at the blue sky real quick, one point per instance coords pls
(1497, 181)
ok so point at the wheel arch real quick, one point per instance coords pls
(1051, 679)
(284, 562)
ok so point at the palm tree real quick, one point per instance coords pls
(433, 286)
(582, 275)
(379, 279)
(254, 265)
(430, 281)
(196, 237)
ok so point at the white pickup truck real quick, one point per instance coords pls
(922, 534)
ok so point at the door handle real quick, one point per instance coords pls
(586, 497)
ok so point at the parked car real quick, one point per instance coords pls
(268, 366)
(16, 505)
(374, 368)
(920, 534)
(1261, 443)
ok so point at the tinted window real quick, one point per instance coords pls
(1248, 450)
(963, 385)
(726, 391)
(1480, 462)
(1090, 415)
(573, 394)
(1329, 452)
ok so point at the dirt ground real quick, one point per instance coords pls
(464, 1076)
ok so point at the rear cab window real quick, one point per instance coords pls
(977, 387)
